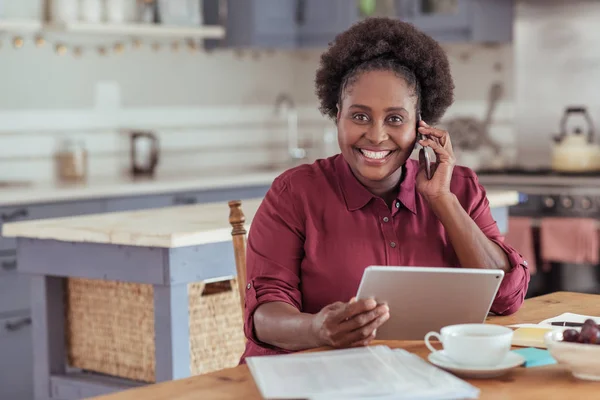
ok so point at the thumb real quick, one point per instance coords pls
(352, 300)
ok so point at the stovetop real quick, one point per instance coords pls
(541, 181)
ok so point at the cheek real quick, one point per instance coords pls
(404, 137)
(348, 133)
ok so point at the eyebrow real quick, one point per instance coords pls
(362, 106)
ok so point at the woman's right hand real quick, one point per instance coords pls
(349, 324)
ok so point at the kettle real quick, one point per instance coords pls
(144, 153)
(575, 152)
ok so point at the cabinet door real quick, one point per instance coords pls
(320, 21)
(253, 23)
(444, 20)
(493, 20)
(16, 358)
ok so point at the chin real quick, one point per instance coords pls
(375, 174)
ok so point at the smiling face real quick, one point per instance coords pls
(377, 128)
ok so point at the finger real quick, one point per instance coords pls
(364, 342)
(364, 319)
(358, 307)
(442, 154)
(366, 331)
(435, 132)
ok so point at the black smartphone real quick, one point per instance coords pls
(425, 152)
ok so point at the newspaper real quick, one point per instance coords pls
(375, 372)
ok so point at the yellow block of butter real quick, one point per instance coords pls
(530, 337)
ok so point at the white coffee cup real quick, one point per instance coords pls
(476, 345)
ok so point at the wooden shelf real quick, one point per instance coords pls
(104, 29)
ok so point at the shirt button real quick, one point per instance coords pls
(393, 244)
(525, 263)
(248, 286)
(397, 204)
(385, 219)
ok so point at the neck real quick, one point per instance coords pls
(387, 189)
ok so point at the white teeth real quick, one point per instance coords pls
(376, 155)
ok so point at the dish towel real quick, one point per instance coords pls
(520, 236)
(569, 240)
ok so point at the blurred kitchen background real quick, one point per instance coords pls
(94, 92)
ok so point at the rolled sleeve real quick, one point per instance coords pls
(512, 290)
(274, 254)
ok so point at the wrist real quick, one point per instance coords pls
(441, 202)
(314, 330)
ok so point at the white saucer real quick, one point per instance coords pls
(511, 361)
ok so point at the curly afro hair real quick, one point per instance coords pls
(386, 44)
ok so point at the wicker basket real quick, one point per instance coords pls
(110, 327)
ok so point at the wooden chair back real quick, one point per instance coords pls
(237, 219)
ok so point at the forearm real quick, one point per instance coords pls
(282, 325)
(471, 245)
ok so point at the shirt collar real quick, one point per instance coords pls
(357, 196)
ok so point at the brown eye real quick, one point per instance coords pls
(360, 117)
(395, 119)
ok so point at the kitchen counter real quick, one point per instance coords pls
(168, 227)
(124, 186)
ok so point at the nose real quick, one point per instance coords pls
(376, 134)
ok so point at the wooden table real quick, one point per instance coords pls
(546, 382)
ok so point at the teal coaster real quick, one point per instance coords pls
(535, 357)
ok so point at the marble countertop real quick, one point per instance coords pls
(163, 227)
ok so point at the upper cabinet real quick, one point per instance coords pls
(254, 23)
(460, 20)
(315, 23)
(320, 21)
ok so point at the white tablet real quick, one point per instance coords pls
(423, 299)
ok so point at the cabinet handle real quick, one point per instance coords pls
(9, 265)
(15, 326)
(21, 212)
(184, 200)
(300, 11)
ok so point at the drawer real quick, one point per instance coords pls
(7, 243)
(16, 357)
(209, 196)
(52, 210)
(138, 203)
(14, 287)
(41, 211)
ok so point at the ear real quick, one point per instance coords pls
(337, 116)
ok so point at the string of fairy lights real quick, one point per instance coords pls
(63, 47)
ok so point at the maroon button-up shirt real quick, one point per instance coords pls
(318, 228)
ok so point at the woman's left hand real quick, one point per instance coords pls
(441, 172)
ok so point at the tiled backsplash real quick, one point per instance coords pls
(210, 110)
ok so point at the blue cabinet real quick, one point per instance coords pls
(460, 20)
(320, 21)
(253, 23)
(292, 24)
(16, 357)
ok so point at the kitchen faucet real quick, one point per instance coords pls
(284, 103)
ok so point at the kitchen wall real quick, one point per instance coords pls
(211, 110)
(557, 64)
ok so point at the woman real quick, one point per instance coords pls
(321, 225)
